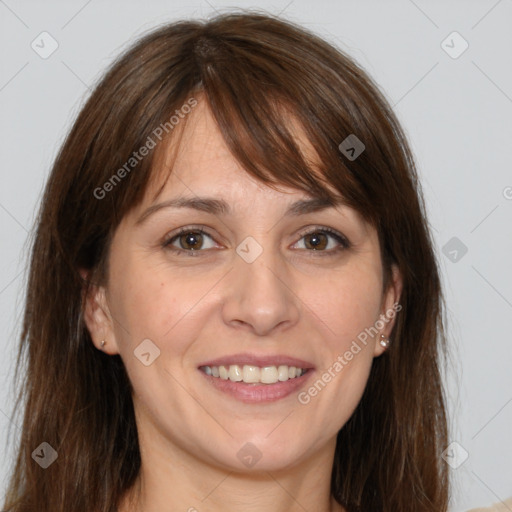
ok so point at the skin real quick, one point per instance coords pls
(293, 300)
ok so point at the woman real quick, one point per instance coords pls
(233, 300)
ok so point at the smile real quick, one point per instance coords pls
(256, 378)
(251, 374)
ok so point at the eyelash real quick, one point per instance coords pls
(344, 243)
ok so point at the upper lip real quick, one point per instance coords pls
(258, 360)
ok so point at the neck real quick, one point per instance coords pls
(227, 493)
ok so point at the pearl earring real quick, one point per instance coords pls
(384, 342)
(102, 343)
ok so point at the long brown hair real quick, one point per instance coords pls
(251, 69)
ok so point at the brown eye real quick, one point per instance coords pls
(191, 241)
(323, 241)
(316, 241)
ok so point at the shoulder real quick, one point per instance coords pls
(502, 506)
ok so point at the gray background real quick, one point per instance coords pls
(456, 112)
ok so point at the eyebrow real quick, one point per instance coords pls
(220, 207)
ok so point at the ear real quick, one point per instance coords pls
(97, 317)
(390, 308)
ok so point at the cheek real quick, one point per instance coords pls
(351, 305)
(345, 316)
(162, 305)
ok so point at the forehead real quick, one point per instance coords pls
(197, 165)
(201, 160)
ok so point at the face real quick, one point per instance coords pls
(207, 299)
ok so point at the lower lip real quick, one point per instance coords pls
(258, 393)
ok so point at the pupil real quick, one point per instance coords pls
(316, 241)
(191, 240)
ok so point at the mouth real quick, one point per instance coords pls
(253, 379)
(250, 374)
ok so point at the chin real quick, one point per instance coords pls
(256, 454)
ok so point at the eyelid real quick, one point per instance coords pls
(168, 238)
(325, 229)
(340, 238)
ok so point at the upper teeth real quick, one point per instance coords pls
(254, 374)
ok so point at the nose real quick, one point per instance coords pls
(260, 296)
